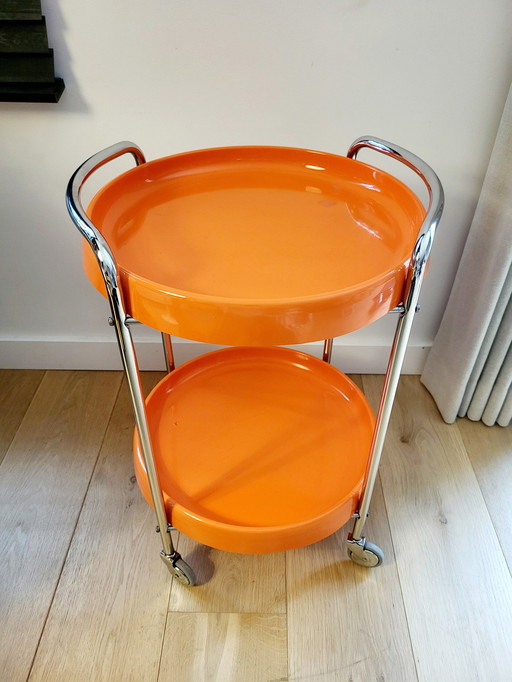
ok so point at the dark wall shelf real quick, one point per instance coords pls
(24, 9)
(27, 71)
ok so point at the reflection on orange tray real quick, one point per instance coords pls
(258, 450)
(257, 245)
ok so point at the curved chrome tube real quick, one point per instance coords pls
(121, 321)
(428, 228)
(77, 212)
(420, 255)
(85, 171)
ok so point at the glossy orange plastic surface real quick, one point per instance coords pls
(257, 245)
(257, 450)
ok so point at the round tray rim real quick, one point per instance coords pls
(252, 538)
(283, 302)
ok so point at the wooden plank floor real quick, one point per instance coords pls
(84, 596)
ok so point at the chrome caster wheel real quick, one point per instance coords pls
(183, 573)
(364, 553)
(178, 568)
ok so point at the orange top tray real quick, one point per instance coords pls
(257, 245)
(257, 449)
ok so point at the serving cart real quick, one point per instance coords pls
(257, 447)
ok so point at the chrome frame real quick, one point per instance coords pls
(327, 352)
(406, 310)
(168, 352)
(122, 321)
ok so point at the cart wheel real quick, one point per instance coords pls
(183, 573)
(370, 556)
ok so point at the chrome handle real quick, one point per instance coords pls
(120, 320)
(77, 212)
(411, 294)
(428, 228)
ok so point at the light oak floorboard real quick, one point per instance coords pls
(220, 647)
(438, 611)
(455, 583)
(346, 623)
(490, 452)
(108, 617)
(231, 583)
(43, 480)
(17, 388)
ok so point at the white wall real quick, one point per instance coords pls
(174, 75)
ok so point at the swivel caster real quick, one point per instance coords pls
(364, 553)
(178, 568)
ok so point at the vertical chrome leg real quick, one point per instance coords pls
(129, 358)
(168, 352)
(120, 321)
(171, 558)
(360, 550)
(394, 368)
(328, 344)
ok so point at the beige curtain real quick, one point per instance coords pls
(469, 369)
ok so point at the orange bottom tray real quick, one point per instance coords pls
(257, 449)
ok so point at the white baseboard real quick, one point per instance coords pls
(104, 355)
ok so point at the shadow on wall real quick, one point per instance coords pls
(72, 99)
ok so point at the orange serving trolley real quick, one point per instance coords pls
(257, 448)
